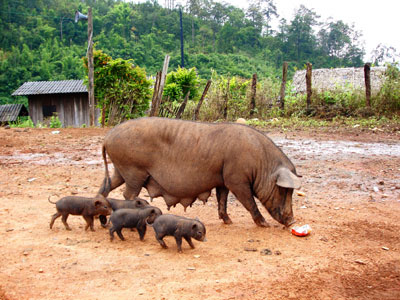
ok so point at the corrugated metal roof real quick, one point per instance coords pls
(50, 87)
(10, 112)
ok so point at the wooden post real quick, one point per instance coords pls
(253, 94)
(90, 68)
(197, 110)
(226, 99)
(182, 107)
(308, 83)
(283, 85)
(162, 83)
(367, 77)
(154, 104)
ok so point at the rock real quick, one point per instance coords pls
(196, 256)
(303, 207)
(324, 239)
(376, 189)
(191, 268)
(241, 121)
(385, 248)
(9, 229)
(277, 252)
(250, 249)
(266, 251)
(32, 179)
(7, 127)
(41, 271)
(360, 262)
(250, 241)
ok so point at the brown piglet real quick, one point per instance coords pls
(80, 206)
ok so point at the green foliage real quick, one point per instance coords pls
(40, 41)
(121, 88)
(55, 122)
(179, 83)
(388, 99)
(22, 122)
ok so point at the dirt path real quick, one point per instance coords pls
(351, 182)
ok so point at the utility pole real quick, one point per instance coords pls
(181, 35)
(90, 67)
(89, 53)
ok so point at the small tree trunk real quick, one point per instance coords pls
(226, 99)
(197, 110)
(367, 77)
(283, 85)
(253, 94)
(103, 115)
(183, 105)
(308, 83)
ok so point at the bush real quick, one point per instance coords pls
(388, 99)
(179, 83)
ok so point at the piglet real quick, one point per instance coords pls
(133, 218)
(83, 206)
(179, 227)
(117, 204)
(136, 203)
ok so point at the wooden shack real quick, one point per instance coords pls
(68, 99)
(11, 112)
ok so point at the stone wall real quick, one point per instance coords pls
(343, 78)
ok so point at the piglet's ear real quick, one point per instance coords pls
(97, 202)
(194, 226)
(285, 178)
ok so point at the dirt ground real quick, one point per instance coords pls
(351, 181)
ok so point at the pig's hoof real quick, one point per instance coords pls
(262, 223)
(226, 219)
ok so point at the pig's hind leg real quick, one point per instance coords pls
(159, 238)
(222, 198)
(118, 231)
(53, 218)
(64, 220)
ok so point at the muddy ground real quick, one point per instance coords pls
(351, 181)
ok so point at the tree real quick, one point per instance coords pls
(301, 40)
(385, 54)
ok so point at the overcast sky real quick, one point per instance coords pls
(379, 21)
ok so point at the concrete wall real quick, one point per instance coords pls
(331, 79)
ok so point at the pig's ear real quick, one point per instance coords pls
(194, 226)
(285, 178)
(97, 202)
